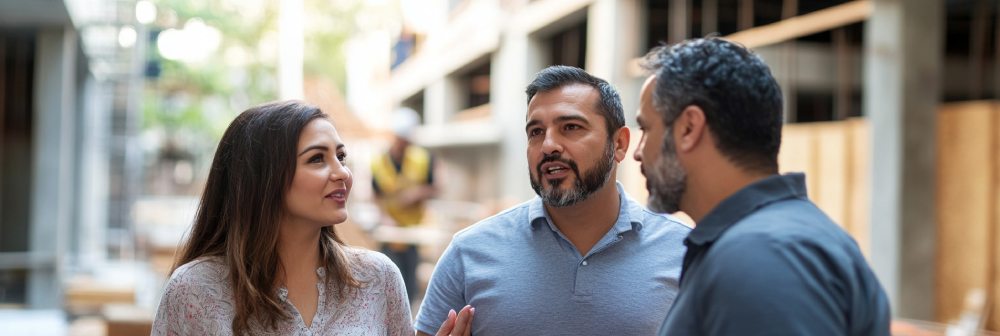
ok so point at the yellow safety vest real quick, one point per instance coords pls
(414, 171)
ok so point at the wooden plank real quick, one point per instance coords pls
(844, 83)
(831, 178)
(963, 202)
(804, 25)
(789, 9)
(859, 195)
(996, 57)
(993, 294)
(123, 320)
(831, 155)
(709, 17)
(744, 15)
(680, 24)
(481, 112)
(977, 47)
(83, 294)
(798, 153)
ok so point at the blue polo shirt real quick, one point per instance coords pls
(525, 278)
(767, 261)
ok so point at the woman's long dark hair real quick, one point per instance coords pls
(243, 203)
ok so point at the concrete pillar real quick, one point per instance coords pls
(609, 56)
(440, 101)
(514, 65)
(903, 57)
(54, 160)
(93, 178)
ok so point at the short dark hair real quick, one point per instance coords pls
(556, 76)
(732, 85)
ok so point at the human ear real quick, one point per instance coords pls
(689, 128)
(621, 141)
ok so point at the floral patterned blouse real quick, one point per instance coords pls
(198, 301)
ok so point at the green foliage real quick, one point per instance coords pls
(189, 105)
(249, 31)
(328, 27)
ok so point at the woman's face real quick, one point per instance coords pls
(319, 190)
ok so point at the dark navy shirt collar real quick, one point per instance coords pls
(743, 202)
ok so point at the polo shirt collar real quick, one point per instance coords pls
(626, 221)
(743, 202)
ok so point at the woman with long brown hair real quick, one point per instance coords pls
(263, 257)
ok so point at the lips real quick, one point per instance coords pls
(554, 170)
(339, 195)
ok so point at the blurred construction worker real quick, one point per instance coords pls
(403, 180)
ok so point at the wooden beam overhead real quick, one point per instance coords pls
(804, 25)
(744, 16)
(709, 17)
(680, 25)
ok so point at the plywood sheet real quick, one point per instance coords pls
(832, 176)
(993, 323)
(798, 153)
(963, 203)
(859, 209)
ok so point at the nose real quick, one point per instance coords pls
(551, 144)
(340, 172)
(639, 148)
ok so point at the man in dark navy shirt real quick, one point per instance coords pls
(763, 259)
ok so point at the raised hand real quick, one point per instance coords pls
(458, 324)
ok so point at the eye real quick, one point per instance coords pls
(342, 156)
(572, 127)
(534, 132)
(315, 158)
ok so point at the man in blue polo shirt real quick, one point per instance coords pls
(583, 258)
(762, 259)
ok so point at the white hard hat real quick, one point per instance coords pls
(404, 121)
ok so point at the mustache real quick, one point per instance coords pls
(556, 157)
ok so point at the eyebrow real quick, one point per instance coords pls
(530, 124)
(560, 119)
(321, 147)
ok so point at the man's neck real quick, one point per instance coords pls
(586, 222)
(708, 191)
(397, 151)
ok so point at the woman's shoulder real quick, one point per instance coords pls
(196, 301)
(200, 272)
(366, 258)
(367, 264)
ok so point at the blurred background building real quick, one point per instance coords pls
(888, 104)
(69, 168)
(110, 111)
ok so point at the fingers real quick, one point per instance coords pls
(463, 324)
(447, 325)
(468, 325)
(459, 324)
